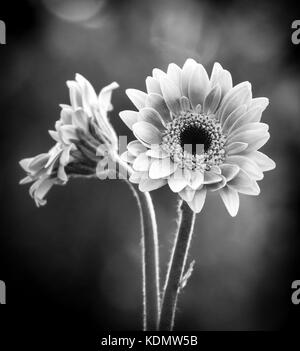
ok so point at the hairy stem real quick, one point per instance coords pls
(150, 258)
(176, 266)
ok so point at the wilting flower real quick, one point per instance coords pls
(85, 141)
(197, 134)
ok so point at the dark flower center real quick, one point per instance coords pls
(195, 140)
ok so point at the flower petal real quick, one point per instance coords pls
(161, 168)
(198, 201)
(235, 148)
(239, 95)
(233, 117)
(141, 163)
(248, 165)
(127, 157)
(171, 94)
(231, 200)
(198, 86)
(187, 194)
(135, 147)
(137, 97)
(158, 103)
(146, 133)
(151, 184)
(129, 117)
(211, 177)
(244, 184)
(212, 100)
(196, 180)
(174, 74)
(153, 86)
(187, 71)
(222, 77)
(229, 171)
(216, 186)
(150, 115)
(177, 181)
(264, 162)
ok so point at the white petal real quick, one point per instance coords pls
(75, 94)
(54, 135)
(239, 95)
(162, 168)
(137, 97)
(136, 148)
(187, 71)
(141, 163)
(153, 86)
(80, 119)
(251, 116)
(261, 102)
(198, 86)
(174, 74)
(216, 186)
(185, 104)
(222, 77)
(158, 103)
(262, 160)
(257, 127)
(198, 201)
(196, 180)
(157, 152)
(158, 74)
(212, 100)
(171, 94)
(147, 133)
(252, 138)
(235, 148)
(150, 115)
(233, 117)
(211, 177)
(231, 200)
(25, 162)
(129, 117)
(177, 181)
(245, 163)
(244, 184)
(187, 194)
(151, 184)
(136, 177)
(68, 133)
(104, 98)
(127, 157)
(229, 171)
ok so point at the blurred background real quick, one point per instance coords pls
(75, 263)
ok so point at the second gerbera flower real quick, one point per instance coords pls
(197, 134)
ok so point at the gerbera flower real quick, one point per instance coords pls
(197, 134)
(85, 141)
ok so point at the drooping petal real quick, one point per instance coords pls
(127, 157)
(146, 133)
(141, 163)
(137, 97)
(104, 98)
(157, 152)
(216, 186)
(231, 200)
(161, 168)
(187, 194)
(129, 117)
(196, 180)
(198, 86)
(75, 94)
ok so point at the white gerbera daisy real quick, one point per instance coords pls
(197, 134)
(85, 141)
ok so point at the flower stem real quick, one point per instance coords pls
(177, 266)
(150, 258)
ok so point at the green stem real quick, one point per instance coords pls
(150, 260)
(177, 266)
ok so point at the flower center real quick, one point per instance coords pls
(195, 141)
(197, 137)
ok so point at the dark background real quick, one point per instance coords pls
(74, 265)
